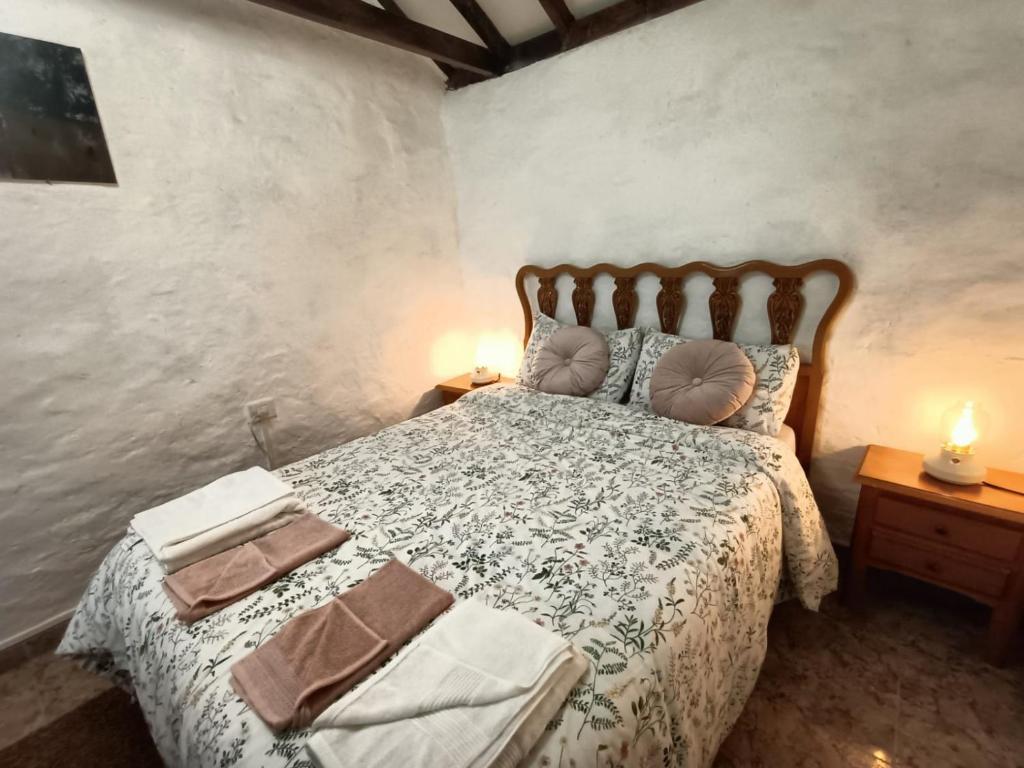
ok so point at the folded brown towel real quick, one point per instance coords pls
(216, 582)
(319, 655)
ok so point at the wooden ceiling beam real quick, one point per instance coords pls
(460, 78)
(608, 21)
(392, 7)
(559, 14)
(457, 78)
(365, 20)
(481, 23)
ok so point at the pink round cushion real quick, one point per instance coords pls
(702, 382)
(573, 361)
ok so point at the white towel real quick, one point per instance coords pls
(227, 512)
(476, 689)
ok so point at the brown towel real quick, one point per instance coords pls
(321, 654)
(216, 582)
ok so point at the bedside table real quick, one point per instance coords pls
(965, 538)
(453, 389)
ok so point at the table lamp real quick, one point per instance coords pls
(496, 351)
(956, 462)
(483, 375)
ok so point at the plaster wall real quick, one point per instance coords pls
(885, 134)
(284, 226)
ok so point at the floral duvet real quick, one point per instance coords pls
(657, 547)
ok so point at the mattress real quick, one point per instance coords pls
(656, 547)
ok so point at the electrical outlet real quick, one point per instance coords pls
(259, 411)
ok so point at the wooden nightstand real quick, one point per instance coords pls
(966, 538)
(453, 389)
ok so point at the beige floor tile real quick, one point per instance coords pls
(41, 690)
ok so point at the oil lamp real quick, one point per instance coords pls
(956, 462)
(483, 375)
(496, 352)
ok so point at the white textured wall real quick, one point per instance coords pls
(284, 226)
(885, 133)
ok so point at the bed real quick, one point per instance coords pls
(659, 548)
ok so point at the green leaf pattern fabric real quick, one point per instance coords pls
(656, 547)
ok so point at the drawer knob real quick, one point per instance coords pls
(942, 530)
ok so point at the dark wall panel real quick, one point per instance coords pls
(50, 128)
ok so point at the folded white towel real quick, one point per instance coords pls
(476, 689)
(227, 512)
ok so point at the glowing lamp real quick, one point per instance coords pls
(495, 353)
(956, 462)
(483, 375)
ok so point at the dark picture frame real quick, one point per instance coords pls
(50, 127)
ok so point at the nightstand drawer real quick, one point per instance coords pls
(932, 524)
(939, 568)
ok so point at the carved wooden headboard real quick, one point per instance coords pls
(784, 307)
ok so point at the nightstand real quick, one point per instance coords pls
(965, 538)
(453, 389)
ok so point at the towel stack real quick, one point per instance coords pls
(475, 690)
(226, 540)
(232, 510)
(321, 654)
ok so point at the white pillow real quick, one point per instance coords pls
(655, 345)
(776, 367)
(623, 351)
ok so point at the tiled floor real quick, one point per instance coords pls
(41, 690)
(902, 685)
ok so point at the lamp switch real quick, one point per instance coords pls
(259, 411)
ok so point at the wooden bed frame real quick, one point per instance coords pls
(785, 306)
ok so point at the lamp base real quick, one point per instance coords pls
(483, 375)
(952, 467)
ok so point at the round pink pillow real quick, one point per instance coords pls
(702, 382)
(573, 361)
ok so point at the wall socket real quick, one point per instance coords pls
(260, 411)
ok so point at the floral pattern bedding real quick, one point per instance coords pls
(655, 546)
